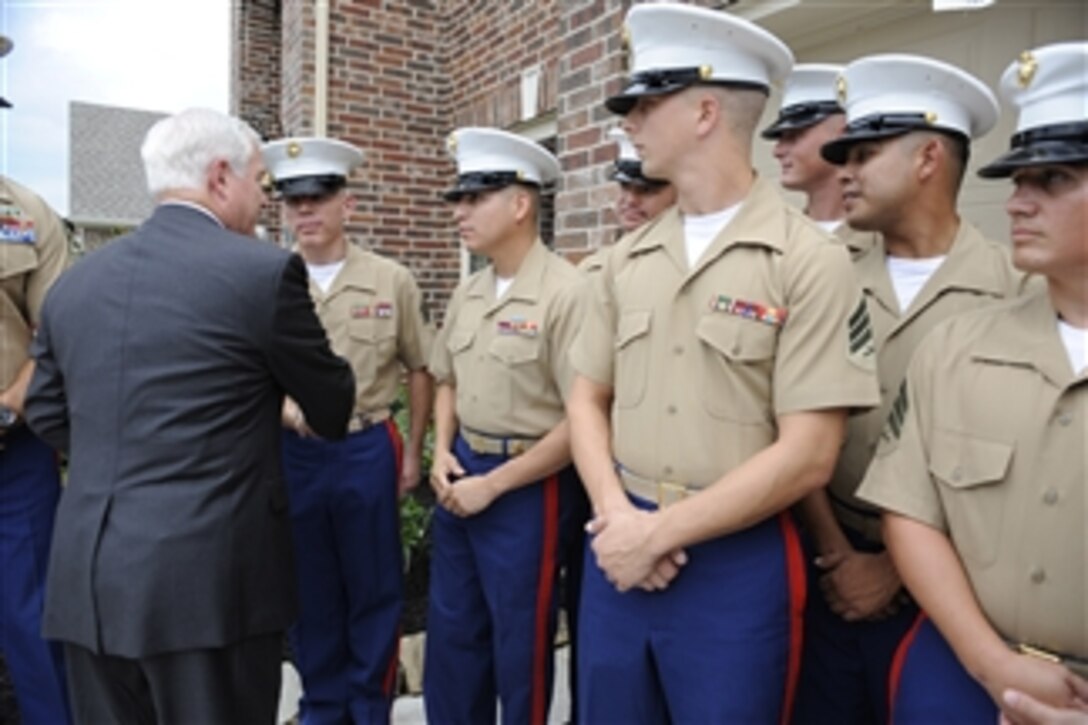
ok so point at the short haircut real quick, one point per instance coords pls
(956, 147)
(743, 109)
(178, 150)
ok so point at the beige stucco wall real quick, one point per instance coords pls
(982, 42)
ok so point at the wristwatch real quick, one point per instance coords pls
(8, 418)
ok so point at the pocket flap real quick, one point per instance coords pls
(514, 349)
(632, 325)
(460, 339)
(963, 461)
(16, 259)
(737, 338)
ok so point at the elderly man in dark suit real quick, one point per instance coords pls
(162, 362)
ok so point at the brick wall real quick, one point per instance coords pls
(403, 73)
(255, 65)
(488, 45)
(591, 67)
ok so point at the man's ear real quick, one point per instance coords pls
(523, 204)
(708, 111)
(217, 178)
(349, 202)
(929, 156)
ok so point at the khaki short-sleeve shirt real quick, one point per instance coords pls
(702, 360)
(856, 241)
(508, 358)
(987, 444)
(375, 319)
(33, 253)
(977, 272)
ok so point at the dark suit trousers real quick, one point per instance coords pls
(239, 684)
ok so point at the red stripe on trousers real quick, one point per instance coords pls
(398, 446)
(389, 682)
(795, 577)
(542, 648)
(900, 659)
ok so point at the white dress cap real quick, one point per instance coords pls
(627, 168)
(489, 158)
(1049, 85)
(305, 166)
(809, 97)
(711, 45)
(625, 150)
(888, 95)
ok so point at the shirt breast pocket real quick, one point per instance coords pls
(632, 357)
(737, 368)
(523, 379)
(17, 261)
(373, 345)
(970, 472)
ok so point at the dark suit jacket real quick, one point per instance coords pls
(162, 361)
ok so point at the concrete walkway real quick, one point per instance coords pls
(408, 710)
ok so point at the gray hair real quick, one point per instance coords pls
(179, 149)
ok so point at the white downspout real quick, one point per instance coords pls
(321, 67)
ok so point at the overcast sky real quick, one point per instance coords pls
(154, 55)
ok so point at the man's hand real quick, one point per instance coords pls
(409, 474)
(1048, 682)
(471, 495)
(859, 586)
(622, 545)
(1022, 709)
(444, 469)
(293, 419)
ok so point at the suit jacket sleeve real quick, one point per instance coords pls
(46, 408)
(302, 361)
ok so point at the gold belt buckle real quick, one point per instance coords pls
(669, 492)
(516, 446)
(1042, 654)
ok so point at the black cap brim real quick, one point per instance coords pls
(622, 103)
(310, 186)
(835, 152)
(1037, 154)
(794, 123)
(622, 177)
(477, 182)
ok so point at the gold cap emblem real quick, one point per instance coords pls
(705, 71)
(625, 47)
(293, 150)
(931, 117)
(1026, 71)
(840, 89)
(521, 175)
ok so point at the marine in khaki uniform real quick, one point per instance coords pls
(902, 157)
(502, 470)
(33, 253)
(982, 467)
(344, 494)
(715, 367)
(640, 199)
(810, 116)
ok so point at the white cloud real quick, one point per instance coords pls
(158, 55)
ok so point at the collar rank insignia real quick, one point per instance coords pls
(773, 316)
(15, 226)
(518, 326)
(383, 310)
